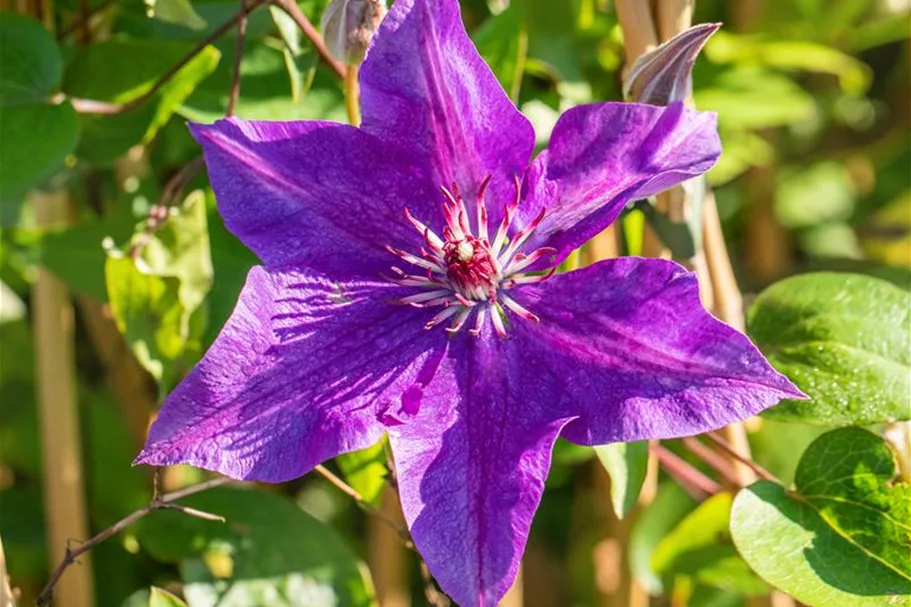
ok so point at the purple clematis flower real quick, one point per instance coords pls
(387, 304)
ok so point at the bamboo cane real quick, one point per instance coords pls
(64, 495)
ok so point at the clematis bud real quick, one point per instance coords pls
(665, 74)
(349, 26)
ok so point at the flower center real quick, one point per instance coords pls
(470, 268)
(467, 272)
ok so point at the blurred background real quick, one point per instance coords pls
(813, 102)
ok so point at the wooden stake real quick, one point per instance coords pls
(64, 495)
(386, 556)
(728, 301)
(639, 33)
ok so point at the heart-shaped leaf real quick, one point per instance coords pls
(845, 340)
(843, 537)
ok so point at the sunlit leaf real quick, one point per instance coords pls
(175, 11)
(844, 340)
(841, 539)
(148, 312)
(366, 471)
(854, 76)
(162, 598)
(700, 547)
(627, 465)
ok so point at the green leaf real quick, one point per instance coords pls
(700, 548)
(34, 141)
(175, 11)
(627, 464)
(148, 312)
(844, 340)
(180, 249)
(162, 598)
(77, 255)
(158, 295)
(503, 43)
(122, 70)
(267, 92)
(30, 58)
(365, 471)
(734, 93)
(807, 197)
(268, 553)
(671, 505)
(854, 76)
(841, 539)
(846, 475)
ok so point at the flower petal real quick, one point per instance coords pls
(602, 156)
(471, 469)
(301, 372)
(424, 86)
(315, 194)
(638, 356)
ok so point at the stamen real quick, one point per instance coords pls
(441, 316)
(511, 303)
(421, 297)
(496, 319)
(520, 263)
(478, 322)
(521, 237)
(414, 260)
(482, 210)
(433, 241)
(465, 274)
(459, 321)
(527, 279)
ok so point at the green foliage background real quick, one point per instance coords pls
(812, 97)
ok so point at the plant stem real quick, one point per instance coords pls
(158, 502)
(90, 106)
(83, 23)
(238, 56)
(364, 504)
(698, 485)
(293, 10)
(717, 462)
(352, 94)
(736, 454)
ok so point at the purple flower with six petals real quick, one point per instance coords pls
(407, 289)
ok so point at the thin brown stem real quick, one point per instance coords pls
(238, 55)
(160, 212)
(90, 106)
(291, 8)
(698, 485)
(720, 464)
(83, 23)
(162, 502)
(730, 451)
(364, 504)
